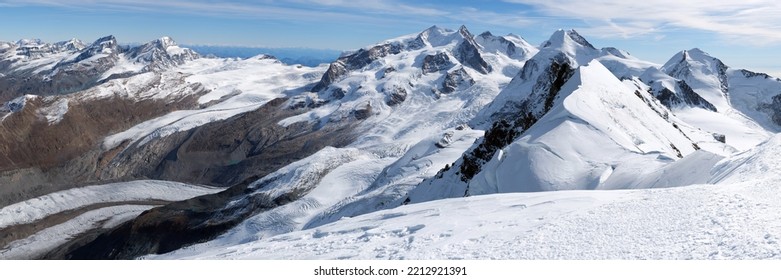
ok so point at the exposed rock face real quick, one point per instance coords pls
(104, 47)
(513, 46)
(575, 36)
(556, 72)
(467, 52)
(161, 54)
(456, 78)
(750, 74)
(720, 137)
(364, 112)
(335, 70)
(775, 107)
(436, 63)
(512, 124)
(395, 95)
(59, 155)
(687, 96)
(510, 49)
(357, 60)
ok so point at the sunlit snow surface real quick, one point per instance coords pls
(736, 221)
(736, 218)
(236, 86)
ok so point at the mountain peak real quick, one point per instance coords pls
(106, 45)
(564, 38)
(692, 57)
(434, 31)
(706, 75)
(161, 53)
(72, 45)
(27, 42)
(109, 38)
(568, 45)
(434, 36)
(465, 32)
(697, 51)
(165, 42)
(616, 52)
(434, 28)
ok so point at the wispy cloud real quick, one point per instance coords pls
(510, 19)
(751, 21)
(299, 10)
(389, 7)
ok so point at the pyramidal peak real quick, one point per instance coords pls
(570, 45)
(562, 38)
(692, 55)
(72, 45)
(693, 60)
(105, 44)
(465, 32)
(165, 42)
(437, 36)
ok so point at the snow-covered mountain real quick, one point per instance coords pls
(30, 66)
(386, 135)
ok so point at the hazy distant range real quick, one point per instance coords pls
(303, 56)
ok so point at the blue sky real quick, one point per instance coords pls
(745, 34)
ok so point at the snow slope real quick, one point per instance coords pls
(756, 96)
(743, 100)
(236, 86)
(616, 124)
(736, 221)
(735, 218)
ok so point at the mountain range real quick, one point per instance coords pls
(439, 144)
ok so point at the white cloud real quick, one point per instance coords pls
(753, 21)
(471, 14)
(257, 9)
(377, 6)
(293, 9)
